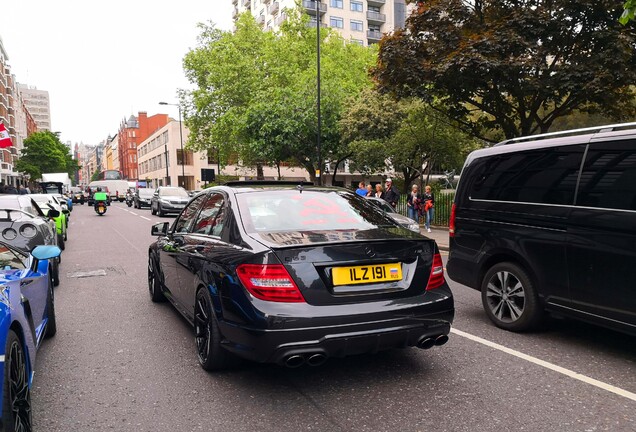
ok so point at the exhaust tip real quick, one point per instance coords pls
(294, 361)
(441, 340)
(316, 359)
(426, 343)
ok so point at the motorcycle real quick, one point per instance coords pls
(129, 200)
(100, 199)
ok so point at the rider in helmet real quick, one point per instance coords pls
(100, 196)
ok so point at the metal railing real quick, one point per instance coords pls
(443, 204)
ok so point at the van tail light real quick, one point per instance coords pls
(270, 282)
(436, 279)
(451, 222)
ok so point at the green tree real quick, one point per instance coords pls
(255, 93)
(513, 68)
(629, 12)
(405, 136)
(43, 152)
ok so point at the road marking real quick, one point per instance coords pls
(143, 217)
(133, 213)
(122, 209)
(567, 372)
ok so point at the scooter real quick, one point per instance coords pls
(129, 200)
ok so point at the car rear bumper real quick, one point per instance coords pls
(344, 335)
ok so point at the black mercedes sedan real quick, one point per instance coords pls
(294, 274)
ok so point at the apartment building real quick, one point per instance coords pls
(360, 21)
(133, 132)
(38, 104)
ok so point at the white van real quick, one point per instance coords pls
(116, 188)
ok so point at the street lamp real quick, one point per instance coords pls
(181, 138)
(318, 89)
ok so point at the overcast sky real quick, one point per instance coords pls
(103, 61)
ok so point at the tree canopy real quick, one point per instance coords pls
(406, 136)
(513, 67)
(255, 95)
(43, 152)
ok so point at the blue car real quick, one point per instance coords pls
(27, 316)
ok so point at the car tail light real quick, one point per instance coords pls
(436, 279)
(270, 282)
(451, 222)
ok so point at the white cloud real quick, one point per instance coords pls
(103, 61)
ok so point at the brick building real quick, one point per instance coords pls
(131, 133)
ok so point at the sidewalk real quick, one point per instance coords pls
(439, 234)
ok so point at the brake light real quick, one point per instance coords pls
(451, 222)
(270, 282)
(436, 279)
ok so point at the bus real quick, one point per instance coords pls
(110, 175)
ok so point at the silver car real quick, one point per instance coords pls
(406, 222)
(169, 199)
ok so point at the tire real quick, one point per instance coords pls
(160, 212)
(55, 274)
(60, 241)
(152, 210)
(65, 235)
(16, 395)
(51, 325)
(510, 299)
(155, 282)
(207, 338)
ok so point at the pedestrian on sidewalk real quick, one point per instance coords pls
(413, 203)
(379, 193)
(429, 206)
(391, 194)
(362, 191)
(369, 190)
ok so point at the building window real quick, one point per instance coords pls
(189, 157)
(336, 22)
(356, 6)
(337, 4)
(356, 25)
(357, 41)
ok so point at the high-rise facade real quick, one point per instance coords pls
(37, 102)
(360, 21)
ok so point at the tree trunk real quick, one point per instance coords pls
(259, 171)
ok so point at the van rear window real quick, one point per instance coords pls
(542, 176)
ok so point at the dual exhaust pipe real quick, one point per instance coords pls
(312, 359)
(429, 342)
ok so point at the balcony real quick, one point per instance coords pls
(266, 1)
(260, 20)
(310, 7)
(235, 13)
(376, 17)
(273, 8)
(378, 3)
(247, 3)
(374, 35)
(281, 19)
(235, 2)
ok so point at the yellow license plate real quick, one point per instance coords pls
(367, 274)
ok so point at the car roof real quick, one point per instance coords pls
(267, 185)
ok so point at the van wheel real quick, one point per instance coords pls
(510, 298)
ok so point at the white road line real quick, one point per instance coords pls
(133, 213)
(143, 217)
(547, 365)
(122, 209)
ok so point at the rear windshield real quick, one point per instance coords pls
(146, 192)
(290, 210)
(175, 192)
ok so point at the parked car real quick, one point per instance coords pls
(288, 274)
(77, 195)
(405, 221)
(27, 316)
(143, 197)
(46, 202)
(168, 199)
(548, 223)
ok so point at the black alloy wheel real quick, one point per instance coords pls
(207, 335)
(155, 284)
(509, 298)
(160, 211)
(16, 403)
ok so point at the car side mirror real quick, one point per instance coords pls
(53, 213)
(160, 229)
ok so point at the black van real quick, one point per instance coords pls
(547, 223)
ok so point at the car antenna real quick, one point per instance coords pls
(300, 188)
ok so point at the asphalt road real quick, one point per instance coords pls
(122, 363)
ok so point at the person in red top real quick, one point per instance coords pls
(429, 206)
